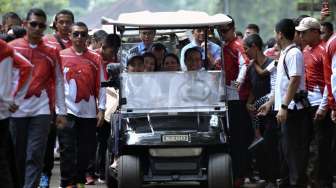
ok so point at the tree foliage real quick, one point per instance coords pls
(22, 6)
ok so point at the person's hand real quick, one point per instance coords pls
(61, 121)
(320, 114)
(333, 116)
(250, 107)
(13, 107)
(325, 12)
(264, 109)
(281, 116)
(237, 85)
(100, 118)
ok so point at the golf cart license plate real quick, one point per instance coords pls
(175, 138)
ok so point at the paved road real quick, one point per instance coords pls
(55, 180)
(56, 175)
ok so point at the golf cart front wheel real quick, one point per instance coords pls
(129, 172)
(220, 171)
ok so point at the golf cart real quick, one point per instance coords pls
(171, 126)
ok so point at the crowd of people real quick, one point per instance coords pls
(282, 108)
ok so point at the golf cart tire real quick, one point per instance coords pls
(220, 171)
(129, 172)
(111, 182)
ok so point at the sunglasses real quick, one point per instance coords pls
(37, 24)
(76, 34)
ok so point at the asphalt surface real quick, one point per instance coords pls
(55, 181)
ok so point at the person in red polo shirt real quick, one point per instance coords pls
(11, 63)
(62, 25)
(236, 62)
(330, 79)
(29, 124)
(85, 101)
(314, 57)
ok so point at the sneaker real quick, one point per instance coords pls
(90, 180)
(100, 180)
(44, 181)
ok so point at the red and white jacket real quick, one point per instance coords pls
(83, 74)
(314, 59)
(15, 74)
(51, 40)
(236, 63)
(47, 80)
(330, 71)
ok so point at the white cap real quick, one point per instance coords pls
(308, 23)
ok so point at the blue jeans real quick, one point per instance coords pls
(30, 136)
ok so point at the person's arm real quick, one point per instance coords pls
(294, 62)
(243, 63)
(260, 71)
(25, 73)
(323, 107)
(101, 96)
(329, 68)
(182, 64)
(293, 86)
(6, 82)
(250, 103)
(266, 108)
(59, 92)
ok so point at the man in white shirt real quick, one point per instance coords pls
(290, 103)
(213, 50)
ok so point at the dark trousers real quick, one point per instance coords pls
(97, 164)
(49, 155)
(241, 133)
(267, 154)
(77, 146)
(30, 136)
(103, 134)
(295, 136)
(321, 150)
(8, 175)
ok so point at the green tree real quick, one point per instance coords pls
(22, 6)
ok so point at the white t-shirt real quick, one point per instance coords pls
(294, 62)
(272, 69)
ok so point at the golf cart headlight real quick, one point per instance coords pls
(214, 121)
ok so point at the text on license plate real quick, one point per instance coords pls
(175, 138)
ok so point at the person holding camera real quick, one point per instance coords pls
(291, 104)
(314, 58)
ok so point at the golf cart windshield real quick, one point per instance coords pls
(193, 91)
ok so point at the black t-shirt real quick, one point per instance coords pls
(260, 85)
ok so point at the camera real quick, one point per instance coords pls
(113, 71)
(302, 97)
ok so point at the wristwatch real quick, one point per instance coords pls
(285, 107)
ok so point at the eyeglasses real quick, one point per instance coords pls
(37, 24)
(76, 34)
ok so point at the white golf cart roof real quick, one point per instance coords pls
(179, 19)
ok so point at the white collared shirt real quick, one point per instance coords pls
(295, 65)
